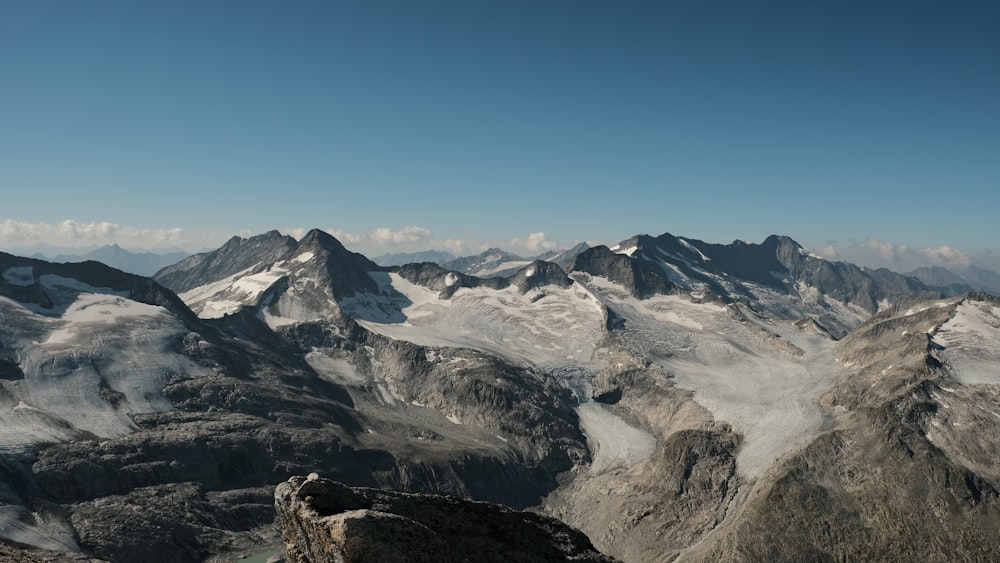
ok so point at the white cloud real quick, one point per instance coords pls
(70, 233)
(295, 232)
(879, 253)
(408, 234)
(376, 238)
(829, 252)
(883, 249)
(535, 243)
(459, 247)
(76, 233)
(346, 237)
(946, 255)
(413, 238)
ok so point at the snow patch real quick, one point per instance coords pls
(24, 526)
(970, 339)
(613, 443)
(94, 308)
(338, 370)
(693, 248)
(217, 299)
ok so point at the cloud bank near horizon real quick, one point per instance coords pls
(68, 234)
(412, 238)
(878, 253)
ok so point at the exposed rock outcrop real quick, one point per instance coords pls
(322, 520)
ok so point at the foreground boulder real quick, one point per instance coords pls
(322, 520)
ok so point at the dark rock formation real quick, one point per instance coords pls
(322, 520)
(621, 269)
(345, 272)
(538, 274)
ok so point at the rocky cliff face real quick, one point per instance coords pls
(322, 520)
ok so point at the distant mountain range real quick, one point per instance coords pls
(666, 396)
(493, 262)
(971, 278)
(398, 259)
(143, 263)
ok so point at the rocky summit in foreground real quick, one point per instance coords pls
(322, 520)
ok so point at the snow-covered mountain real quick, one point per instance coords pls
(491, 263)
(289, 281)
(565, 256)
(727, 395)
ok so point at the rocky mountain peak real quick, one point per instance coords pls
(538, 274)
(346, 272)
(321, 239)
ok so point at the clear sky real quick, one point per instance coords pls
(417, 124)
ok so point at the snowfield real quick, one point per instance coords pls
(227, 296)
(764, 378)
(758, 372)
(551, 328)
(970, 339)
(613, 443)
(545, 328)
(88, 364)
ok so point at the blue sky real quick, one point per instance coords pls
(398, 125)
